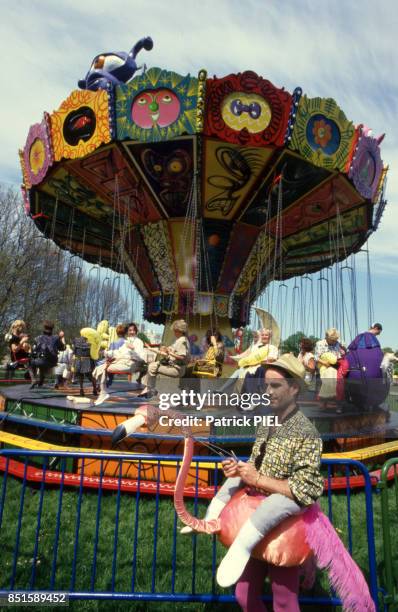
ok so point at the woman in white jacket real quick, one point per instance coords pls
(128, 358)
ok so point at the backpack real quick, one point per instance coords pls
(81, 348)
(45, 351)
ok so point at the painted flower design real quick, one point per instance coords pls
(322, 132)
(37, 155)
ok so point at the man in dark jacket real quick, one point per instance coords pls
(45, 353)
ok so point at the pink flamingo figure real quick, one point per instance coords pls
(298, 540)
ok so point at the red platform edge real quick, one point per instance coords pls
(150, 487)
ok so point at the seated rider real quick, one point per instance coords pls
(174, 359)
(258, 354)
(213, 359)
(328, 353)
(140, 364)
(284, 465)
(123, 359)
(306, 357)
(18, 343)
(121, 331)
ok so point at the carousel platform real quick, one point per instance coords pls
(46, 420)
(57, 418)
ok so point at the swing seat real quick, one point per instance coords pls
(203, 374)
(22, 362)
(203, 371)
(117, 373)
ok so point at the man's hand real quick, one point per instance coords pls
(248, 473)
(230, 468)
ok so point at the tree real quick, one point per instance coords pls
(292, 343)
(40, 281)
(387, 349)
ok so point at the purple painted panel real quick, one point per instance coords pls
(38, 152)
(367, 165)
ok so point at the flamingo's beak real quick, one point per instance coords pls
(126, 428)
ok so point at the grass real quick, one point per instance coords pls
(152, 513)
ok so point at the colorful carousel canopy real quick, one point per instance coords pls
(203, 190)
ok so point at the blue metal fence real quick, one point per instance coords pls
(97, 544)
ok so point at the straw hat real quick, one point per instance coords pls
(289, 363)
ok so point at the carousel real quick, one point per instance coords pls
(206, 195)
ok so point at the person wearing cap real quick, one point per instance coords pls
(284, 464)
(174, 359)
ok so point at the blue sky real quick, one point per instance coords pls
(345, 50)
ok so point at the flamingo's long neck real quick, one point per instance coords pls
(199, 525)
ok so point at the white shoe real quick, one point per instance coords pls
(232, 566)
(102, 398)
(78, 399)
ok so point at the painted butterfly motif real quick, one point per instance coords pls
(239, 172)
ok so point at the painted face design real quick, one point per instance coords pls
(242, 110)
(172, 176)
(158, 107)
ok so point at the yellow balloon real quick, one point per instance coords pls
(94, 339)
(103, 330)
(103, 327)
(112, 335)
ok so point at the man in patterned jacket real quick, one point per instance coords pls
(284, 464)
